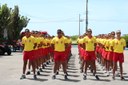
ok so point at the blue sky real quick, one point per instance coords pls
(49, 15)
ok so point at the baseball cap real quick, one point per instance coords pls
(27, 30)
(89, 30)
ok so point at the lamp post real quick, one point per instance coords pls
(86, 22)
(79, 24)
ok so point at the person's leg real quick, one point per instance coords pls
(56, 64)
(29, 67)
(93, 66)
(82, 65)
(24, 69)
(33, 68)
(24, 66)
(85, 69)
(114, 69)
(108, 67)
(121, 70)
(64, 65)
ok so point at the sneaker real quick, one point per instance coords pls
(67, 74)
(47, 63)
(97, 77)
(43, 67)
(122, 78)
(57, 73)
(107, 74)
(65, 77)
(28, 73)
(54, 77)
(38, 73)
(35, 77)
(117, 74)
(85, 77)
(23, 77)
(41, 70)
(113, 77)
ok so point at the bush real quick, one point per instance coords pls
(126, 38)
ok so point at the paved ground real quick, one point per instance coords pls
(11, 70)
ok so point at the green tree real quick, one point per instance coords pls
(12, 21)
(17, 23)
(74, 38)
(126, 38)
(4, 19)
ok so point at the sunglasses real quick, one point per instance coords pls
(58, 32)
(118, 33)
(113, 34)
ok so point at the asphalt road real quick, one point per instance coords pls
(11, 70)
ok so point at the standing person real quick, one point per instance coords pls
(89, 43)
(110, 53)
(29, 45)
(59, 45)
(118, 47)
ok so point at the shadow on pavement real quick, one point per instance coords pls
(38, 79)
(72, 71)
(47, 71)
(104, 80)
(48, 68)
(69, 80)
(43, 75)
(73, 75)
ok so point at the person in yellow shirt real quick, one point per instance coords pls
(118, 47)
(59, 45)
(110, 52)
(89, 43)
(29, 45)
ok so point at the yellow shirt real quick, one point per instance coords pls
(106, 45)
(28, 43)
(59, 44)
(81, 41)
(48, 42)
(69, 41)
(78, 40)
(44, 43)
(119, 45)
(37, 41)
(89, 43)
(110, 43)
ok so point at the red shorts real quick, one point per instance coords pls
(28, 55)
(97, 49)
(118, 57)
(89, 55)
(67, 51)
(110, 56)
(44, 52)
(60, 56)
(105, 55)
(36, 54)
(82, 53)
(40, 52)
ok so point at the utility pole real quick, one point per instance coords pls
(86, 15)
(79, 24)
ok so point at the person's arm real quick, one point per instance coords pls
(52, 45)
(22, 43)
(35, 45)
(66, 45)
(124, 43)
